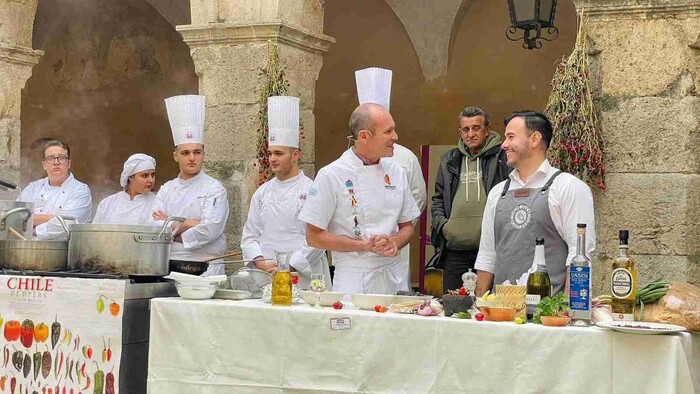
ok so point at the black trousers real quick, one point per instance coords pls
(456, 263)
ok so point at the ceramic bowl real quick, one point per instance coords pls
(190, 291)
(328, 298)
(492, 313)
(368, 301)
(555, 321)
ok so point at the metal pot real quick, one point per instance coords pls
(128, 249)
(34, 255)
(18, 216)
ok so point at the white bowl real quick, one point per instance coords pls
(369, 301)
(328, 298)
(190, 291)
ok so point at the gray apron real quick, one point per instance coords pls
(522, 215)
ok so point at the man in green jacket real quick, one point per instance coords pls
(464, 179)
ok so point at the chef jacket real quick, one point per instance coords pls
(273, 225)
(119, 208)
(200, 198)
(409, 162)
(358, 201)
(71, 199)
(569, 201)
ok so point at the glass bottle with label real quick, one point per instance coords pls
(623, 282)
(579, 277)
(538, 283)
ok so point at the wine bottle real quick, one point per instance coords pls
(623, 282)
(538, 283)
(579, 275)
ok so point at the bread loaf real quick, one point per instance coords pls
(681, 306)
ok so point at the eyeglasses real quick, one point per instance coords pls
(466, 129)
(53, 159)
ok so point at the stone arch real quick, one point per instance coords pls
(100, 84)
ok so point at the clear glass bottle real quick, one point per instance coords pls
(623, 282)
(538, 282)
(579, 279)
(282, 281)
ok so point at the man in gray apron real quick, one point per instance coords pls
(537, 200)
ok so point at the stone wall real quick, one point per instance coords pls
(647, 83)
(100, 86)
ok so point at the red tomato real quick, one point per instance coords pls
(338, 305)
(479, 317)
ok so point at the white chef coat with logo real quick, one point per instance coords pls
(273, 225)
(358, 201)
(409, 162)
(201, 198)
(71, 199)
(119, 208)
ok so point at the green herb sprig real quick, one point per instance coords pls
(557, 305)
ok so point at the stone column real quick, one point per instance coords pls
(16, 61)
(646, 61)
(229, 46)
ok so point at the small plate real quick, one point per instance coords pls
(641, 327)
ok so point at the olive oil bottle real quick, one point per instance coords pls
(623, 282)
(538, 283)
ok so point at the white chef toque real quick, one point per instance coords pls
(283, 121)
(134, 164)
(374, 86)
(186, 116)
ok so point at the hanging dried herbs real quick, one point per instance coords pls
(577, 145)
(275, 84)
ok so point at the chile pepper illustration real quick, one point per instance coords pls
(109, 382)
(12, 330)
(70, 370)
(13, 384)
(77, 373)
(46, 363)
(55, 332)
(109, 349)
(104, 351)
(3, 382)
(57, 367)
(87, 382)
(67, 369)
(17, 359)
(99, 380)
(41, 332)
(27, 333)
(37, 363)
(5, 356)
(26, 365)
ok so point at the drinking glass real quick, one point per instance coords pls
(318, 284)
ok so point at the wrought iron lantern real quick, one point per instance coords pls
(535, 18)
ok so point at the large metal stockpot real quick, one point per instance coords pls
(34, 255)
(128, 249)
(18, 216)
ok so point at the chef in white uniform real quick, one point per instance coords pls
(360, 207)
(193, 195)
(57, 194)
(132, 205)
(272, 223)
(374, 86)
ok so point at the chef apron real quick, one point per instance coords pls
(522, 215)
(375, 200)
(283, 232)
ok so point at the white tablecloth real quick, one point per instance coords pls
(219, 346)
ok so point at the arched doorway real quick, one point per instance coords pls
(100, 86)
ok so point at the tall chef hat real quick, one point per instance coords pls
(283, 121)
(186, 116)
(134, 164)
(374, 86)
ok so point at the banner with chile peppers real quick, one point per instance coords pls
(60, 335)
